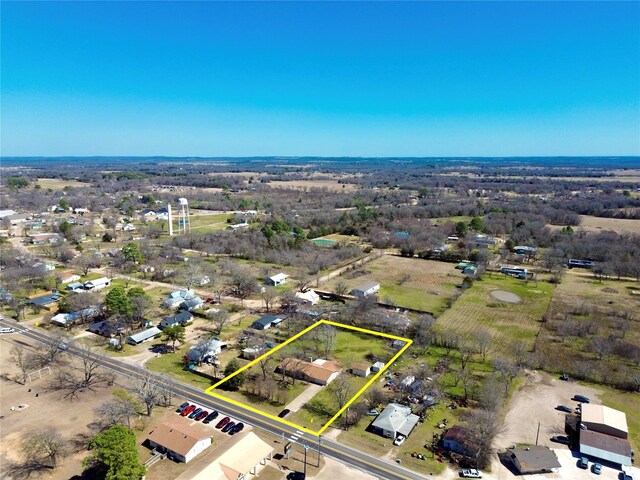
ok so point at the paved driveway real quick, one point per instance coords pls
(303, 398)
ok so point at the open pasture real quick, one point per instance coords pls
(598, 224)
(508, 323)
(59, 183)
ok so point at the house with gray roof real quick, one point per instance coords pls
(180, 318)
(394, 420)
(143, 336)
(365, 289)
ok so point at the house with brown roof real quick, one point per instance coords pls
(68, 277)
(180, 439)
(534, 459)
(320, 372)
(460, 440)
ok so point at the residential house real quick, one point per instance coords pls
(192, 304)
(177, 298)
(460, 440)
(64, 319)
(42, 238)
(107, 328)
(482, 241)
(148, 214)
(244, 460)
(76, 287)
(97, 284)
(45, 301)
(251, 353)
(129, 227)
(206, 351)
(533, 459)
(320, 372)
(266, 321)
(180, 318)
(68, 277)
(361, 369)
(366, 289)
(238, 226)
(310, 297)
(6, 213)
(394, 420)
(144, 336)
(278, 279)
(179, 439)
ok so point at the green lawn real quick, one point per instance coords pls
(171, 364)
(268, 406)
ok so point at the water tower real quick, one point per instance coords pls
(184, 226)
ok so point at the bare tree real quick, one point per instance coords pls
(117, 411)
(325, 335)
(219, 317)
(602, 346)
(147, 389)
(269, 295)
(506, 370)
(342, 390)
(88, 377)
(341, 288)
(24, 361)
(41, 450)
(483, 343)
(375, 397)
(51, 350)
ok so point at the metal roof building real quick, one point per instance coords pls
(606, 447)
(143, 336)
(599, 418)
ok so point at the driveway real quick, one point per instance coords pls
(303, 398)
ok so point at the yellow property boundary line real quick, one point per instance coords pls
(210, 390)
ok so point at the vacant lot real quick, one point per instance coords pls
(599, 224)
(508, 323)
(70, 418)
(305, 185)
(407, 282)
(584, 311)
(59, 184)
(207, 223)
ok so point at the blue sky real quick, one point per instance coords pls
(332, 79)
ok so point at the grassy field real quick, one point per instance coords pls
(331, 185)
(507, 323)
(209, 223)
(408, 282)
(599, 224)
(171, 364)
(582, 300)
(59, 184)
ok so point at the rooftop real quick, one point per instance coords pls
(535, 458)
(397, 418)
(178, 436)
(607, 447)
(318, 369)
(604, 415)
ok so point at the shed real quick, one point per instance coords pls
(394, 420)
(97, 284)
(377, 366)
(361, 369)
(309, 297)
(366, 289)
(277, 279)
(534, 459)
(143, 336)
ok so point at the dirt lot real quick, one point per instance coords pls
(70, 418)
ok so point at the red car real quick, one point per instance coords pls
(188, 410)
(223, 422)
(201, 415)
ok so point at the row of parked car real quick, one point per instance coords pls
(197, 413)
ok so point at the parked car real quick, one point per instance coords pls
(228, 427)
(284, 413)
(561, 439)
(373, 412)
(583, 463)
(564, 377)
(564, 408)
(596, 468)
(182, 407)
(223, 422)
(399, 440)
(624, 476)
(188, 410)
(7, 330)
(201, 415)
(195, 412)
(296, 476)
(238, 428)
(581, 399)
(210, 417)
(470, 473)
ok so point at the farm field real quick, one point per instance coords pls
(407, 282)
(206, 223)
(508, 323)
(583, 308)
(59, 183)
(598, 224)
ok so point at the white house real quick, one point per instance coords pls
(129, 227)
(97, 284)
(177, 298)
(366, 289)
(309, 297)
(68, 277)
(180, 439)
(361, 369)
(277, 279)
(143, 336)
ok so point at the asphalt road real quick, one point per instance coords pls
(342, 453)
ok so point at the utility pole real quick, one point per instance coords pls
(538, 434)
(306, 447)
